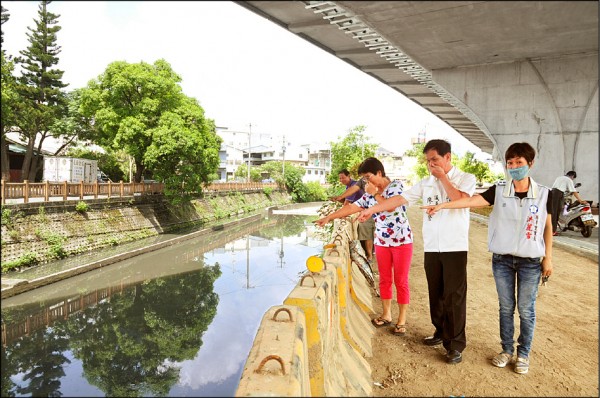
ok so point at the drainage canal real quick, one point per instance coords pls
(179, 321)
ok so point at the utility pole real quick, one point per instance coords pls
(249, 135)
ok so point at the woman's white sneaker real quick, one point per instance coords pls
(502, 359)
(522, 365)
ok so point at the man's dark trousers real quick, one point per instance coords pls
(558, 202)
(446, 274)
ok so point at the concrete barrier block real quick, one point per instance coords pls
(317, 303)
(360, 313)
(360, 290)
(353, 331)
(336, 368)
(277, 365)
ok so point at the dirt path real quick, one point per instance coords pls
(564, 355)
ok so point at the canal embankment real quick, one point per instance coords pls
(36, 233)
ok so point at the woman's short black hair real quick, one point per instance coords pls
(371, 165)
(344, 172)
(520, 149)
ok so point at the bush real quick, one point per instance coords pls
(268, 190)
(315, 192)
(82, 207)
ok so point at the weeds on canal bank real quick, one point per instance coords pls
(26, 260)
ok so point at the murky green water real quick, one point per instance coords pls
(179, 321)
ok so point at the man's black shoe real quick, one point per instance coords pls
(453, 356)
(432, 340)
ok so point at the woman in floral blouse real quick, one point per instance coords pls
(393, 240)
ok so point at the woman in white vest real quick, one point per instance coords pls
(520, 238)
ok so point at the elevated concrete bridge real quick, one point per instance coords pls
(497, 72)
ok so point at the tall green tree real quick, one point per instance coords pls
(42, 100)
(4, 18)
(141, 109)
(349, 151)
(8, 100)
(8, 96)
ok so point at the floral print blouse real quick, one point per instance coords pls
(391, 227)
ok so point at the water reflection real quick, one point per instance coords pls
(178, 321)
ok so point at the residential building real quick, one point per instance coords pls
(392, 162)
(318, 167)
(235, 148)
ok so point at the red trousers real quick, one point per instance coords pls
(393, 263)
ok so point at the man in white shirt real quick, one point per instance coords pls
(562, 186)
(445, 242)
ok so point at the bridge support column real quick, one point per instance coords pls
(551, 103)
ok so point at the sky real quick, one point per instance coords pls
(243, 69)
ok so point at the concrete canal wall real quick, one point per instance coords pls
(39, 232)
(315, 344)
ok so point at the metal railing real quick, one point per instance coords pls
(25, 192)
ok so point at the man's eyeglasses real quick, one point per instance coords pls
(366, 178)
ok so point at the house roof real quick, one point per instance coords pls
(17, 147)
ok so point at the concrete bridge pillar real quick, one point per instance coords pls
(551, 103)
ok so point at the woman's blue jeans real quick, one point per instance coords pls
(524, 274)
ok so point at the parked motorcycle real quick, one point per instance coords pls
(576, 216)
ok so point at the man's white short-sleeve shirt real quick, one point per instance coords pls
(565, 184)
(448, 229)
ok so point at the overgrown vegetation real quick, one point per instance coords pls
(9, 217)
(26, 260)
(325, 233)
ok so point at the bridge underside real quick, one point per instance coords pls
(496, 72)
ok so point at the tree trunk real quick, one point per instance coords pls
(27, 159)
(36, 164)
(139, 171)
(5, 166)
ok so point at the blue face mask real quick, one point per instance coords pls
(519, 173)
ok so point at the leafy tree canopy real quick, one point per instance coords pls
(349, 151)
(141, 109)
